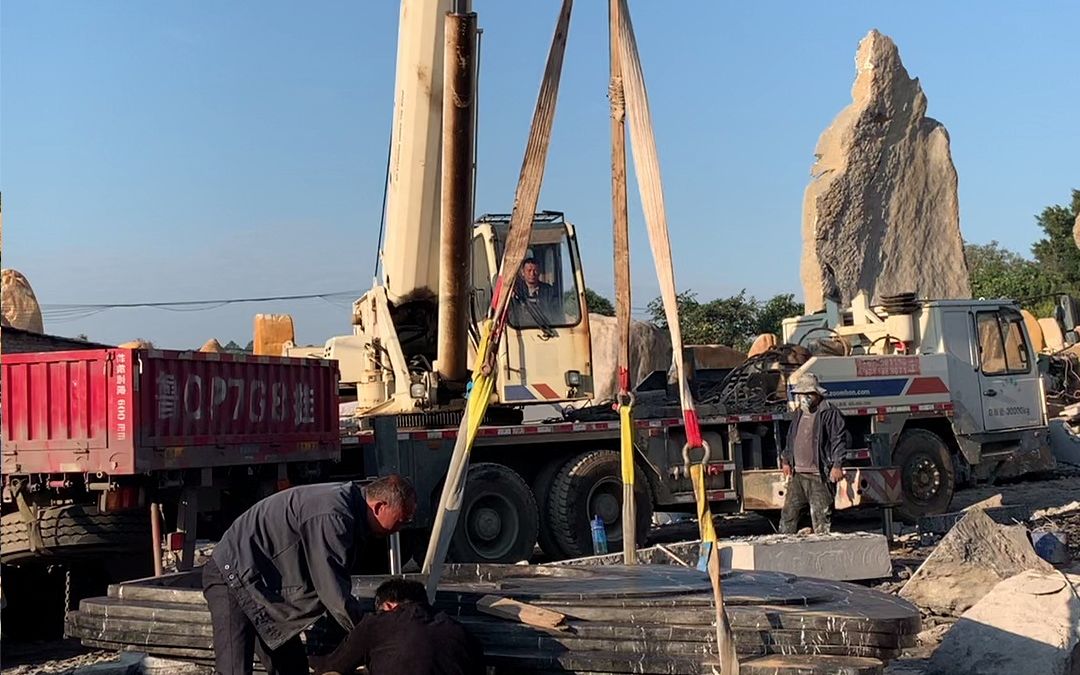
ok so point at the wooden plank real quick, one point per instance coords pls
(506, 608)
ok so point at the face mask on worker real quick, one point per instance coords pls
(805, 402)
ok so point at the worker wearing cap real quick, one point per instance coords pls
(816, 446)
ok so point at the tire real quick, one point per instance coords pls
(927, 474)
(499, 521)
(591, 484)
(542, 487)
(75, 530)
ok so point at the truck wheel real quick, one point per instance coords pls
(927, 474)
(542, 487)
(75, 530)
(590, 485)
(498, 522)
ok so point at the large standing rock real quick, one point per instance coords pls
(650, 350)
(20, 306)
(1029, 623)
(1076, 231)
(881, 214)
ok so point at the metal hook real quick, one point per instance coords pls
(686, 454)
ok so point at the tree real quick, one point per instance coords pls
(996, 272)
(1057, 253)
(771, 314)
(598, 304)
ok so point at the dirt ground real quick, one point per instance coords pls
(1055, 501)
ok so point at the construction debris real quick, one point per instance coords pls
(969, 561)
(883, 187)
(19, 304)
(1025, 624)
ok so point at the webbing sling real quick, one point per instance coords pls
(491, 332)
(647, 170)
(620, 231)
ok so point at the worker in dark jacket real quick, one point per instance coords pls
(287, 560)
(816, 447)
(405, 637)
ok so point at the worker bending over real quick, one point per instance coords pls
(407, 637)
(287, 560)
(815, 449)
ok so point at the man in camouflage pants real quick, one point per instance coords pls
(816, 447)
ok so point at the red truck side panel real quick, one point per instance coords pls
(124, 411)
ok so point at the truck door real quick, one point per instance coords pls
(1008, 378)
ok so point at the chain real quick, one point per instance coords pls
(67, 589)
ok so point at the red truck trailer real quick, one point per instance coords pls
(91, 437)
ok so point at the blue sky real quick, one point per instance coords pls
(159, 151)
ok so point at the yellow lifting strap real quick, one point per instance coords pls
(486, 364)
(647, 170)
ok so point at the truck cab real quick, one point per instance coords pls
(970, 364)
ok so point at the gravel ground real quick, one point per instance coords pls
(1053, 501)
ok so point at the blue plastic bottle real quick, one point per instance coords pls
(599, 536)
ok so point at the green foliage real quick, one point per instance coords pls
(1057, 254)
(598, 304)
(733, 321)
(996, 272)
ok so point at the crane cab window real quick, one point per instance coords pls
(545, 294)
(1002, 345)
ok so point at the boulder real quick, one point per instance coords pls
(881, 214)
(137, 343)
(1076, 231)
(970, 560)
(762, 344)
(272, 331)
(1035, 331)
(212, 346)
(20, 305)
(650, 350)
(1027, 624)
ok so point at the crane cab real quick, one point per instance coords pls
(546, 355)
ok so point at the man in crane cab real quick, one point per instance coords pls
(405, 636)
(537, 302)
(288, 560)
(816, 447)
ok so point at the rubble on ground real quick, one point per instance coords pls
(1025, 624)
(883, 188)
(968, 562)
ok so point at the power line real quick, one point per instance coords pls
(75, 311)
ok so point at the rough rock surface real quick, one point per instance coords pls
(762, 344)
(20, 306)
(212, 346)
(880, 213)
(272, 332)
(969, 561)
(1076, 231)
(650, 350)
(1029, 623)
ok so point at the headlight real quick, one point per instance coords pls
(573, 378)
(418, 390)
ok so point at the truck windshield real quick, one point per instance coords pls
(545, 294)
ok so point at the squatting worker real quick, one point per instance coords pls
(816, 446)
(405, 637)
(287, 560)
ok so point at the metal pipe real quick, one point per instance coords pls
(395, 553)
(155, 536)
(459, 75)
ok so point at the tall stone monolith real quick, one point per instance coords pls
(880, 213)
